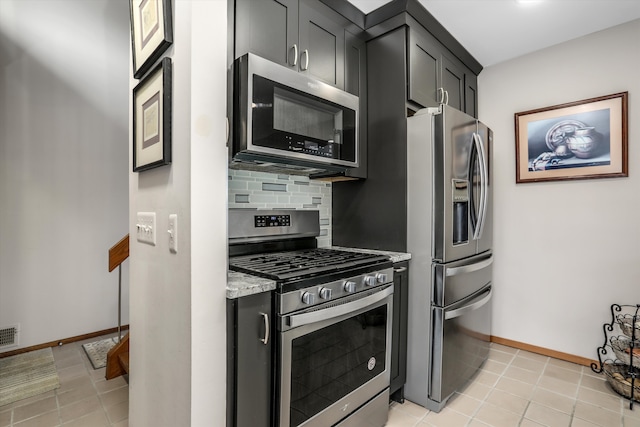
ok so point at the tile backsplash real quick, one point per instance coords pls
(248, 189)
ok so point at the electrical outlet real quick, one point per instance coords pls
(173, 233)
(146, 227)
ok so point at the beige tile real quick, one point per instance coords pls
(412, 409)
(569, 389)
(476, 423)
(97, 374)
(76, 394)
(119, 395)
(508, 402)
(496, 416)
(74, 383)
(595, 383)
(50, 419)
(630, 422)
(486, 378)
(500, 356)
(445, 418)
(71, 372)
(79, 409)
(5, 418)
(69, 360)
(631, 413)
(566, 365)
(553, 371)
(528, 423)
(586, 370)
(118, 412)
(533, 356)
(475, 390)
(603, 400)
(523, 375)
(547, 416)
(94, 419)
(123, 423)
(577, 422)
(520, 389)
(398, 418)
(38, 407)
(464, 404)
(596, 415)
(503, 348)
(495, 367)
(35, 398)
(554, 400)
(104, 386)
(528, 364)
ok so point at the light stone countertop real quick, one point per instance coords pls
(241, 284)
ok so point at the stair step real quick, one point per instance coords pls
(124, 361)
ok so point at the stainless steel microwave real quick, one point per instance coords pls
(286, 121)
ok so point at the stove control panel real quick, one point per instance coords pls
(315, 295)
(272, 221)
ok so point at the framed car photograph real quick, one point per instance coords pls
(152, 119)
(577, 140)
(151, 32)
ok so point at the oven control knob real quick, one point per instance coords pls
(308, 298)
(369, 280)
(381, 277)
(325, 293)
(349, 286)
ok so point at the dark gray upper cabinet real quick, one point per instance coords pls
(268, 28)
(304, 35)
(437, 76)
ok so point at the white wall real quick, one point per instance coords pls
(566, 250)
(63, 165)
(178, 300)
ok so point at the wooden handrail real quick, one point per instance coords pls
(119, 252)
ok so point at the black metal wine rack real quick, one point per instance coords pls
(621, 314)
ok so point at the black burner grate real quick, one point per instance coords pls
(300, 264)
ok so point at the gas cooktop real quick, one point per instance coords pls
(290, 265)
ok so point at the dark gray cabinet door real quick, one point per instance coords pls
(253, 361)
(471, 94)
(268, 28)
(424, 69)
(355, 82)
(452, 81)
(399, 337)
(321, 44)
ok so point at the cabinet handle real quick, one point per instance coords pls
(265, 317)
(400, 270)
(306, 60)
(446, 94)
(295, 55)
(441, 93)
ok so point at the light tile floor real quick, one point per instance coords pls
(518, 388)
(513, 388)
(84, 398)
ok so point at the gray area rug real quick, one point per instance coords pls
(97, 351)
(26, 375)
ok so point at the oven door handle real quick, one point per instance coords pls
(353, 307)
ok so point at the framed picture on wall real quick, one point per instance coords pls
(152, 119)
(577, 140)
(151, 32)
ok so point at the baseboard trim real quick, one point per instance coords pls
(62, 341)
(545, 351)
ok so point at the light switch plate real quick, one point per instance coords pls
(173, 233)
(146, 227)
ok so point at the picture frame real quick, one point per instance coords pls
(151, 32)
(152, 118)
(578, 140)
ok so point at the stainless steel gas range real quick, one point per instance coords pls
(331, 325)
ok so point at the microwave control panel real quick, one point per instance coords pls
(311, 147)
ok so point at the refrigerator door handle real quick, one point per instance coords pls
(484, 179)
(469, 268)
(467, 308)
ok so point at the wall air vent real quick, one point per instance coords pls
(9, 336)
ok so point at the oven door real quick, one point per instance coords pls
(334, 358)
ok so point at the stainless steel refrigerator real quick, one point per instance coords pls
(449, 236)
